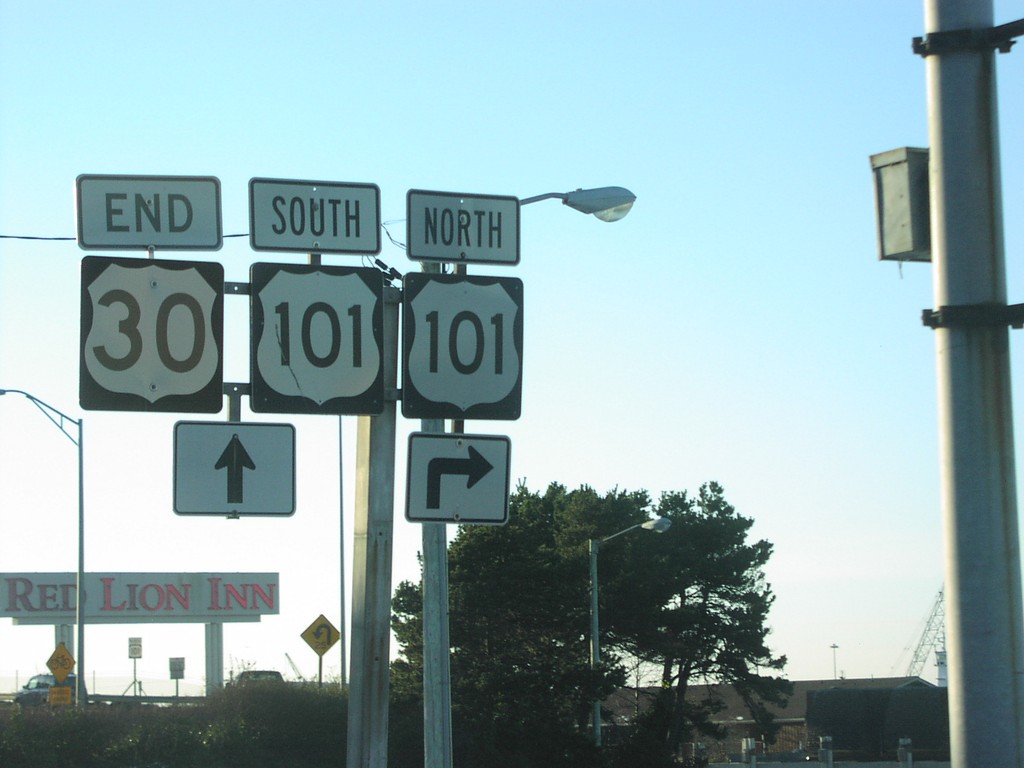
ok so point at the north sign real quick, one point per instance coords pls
(314, 216)
(152, 335)
(457, 478)
(462, 345)
(471, 229)
(234, 468)
(316, 339)
(178, 213)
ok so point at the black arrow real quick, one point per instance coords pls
(321, 628)
(475, 467)
(235, 458)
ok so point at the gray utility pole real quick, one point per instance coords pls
(983, 581)
(371, 567)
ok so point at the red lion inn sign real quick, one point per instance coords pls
(139, 598)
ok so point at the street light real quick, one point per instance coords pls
(61, 421)
(606, 203)
(658, 525)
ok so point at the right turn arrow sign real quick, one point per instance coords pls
(458, 478)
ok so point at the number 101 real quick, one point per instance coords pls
(334, 322)
(470, 320)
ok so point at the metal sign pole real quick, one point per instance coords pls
(437, 683)
(371, 567)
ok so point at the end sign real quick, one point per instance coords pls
(178, 213)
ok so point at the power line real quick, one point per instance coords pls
(39, 237)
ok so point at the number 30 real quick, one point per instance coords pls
(129, 328)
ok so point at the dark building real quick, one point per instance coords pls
(865, 717)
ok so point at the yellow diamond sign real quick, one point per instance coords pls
(321, 635)
(61, 662)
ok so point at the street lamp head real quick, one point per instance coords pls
(658, 525)
(606, 203)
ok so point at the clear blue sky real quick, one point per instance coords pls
(736, 326)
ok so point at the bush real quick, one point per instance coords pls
(274, 726)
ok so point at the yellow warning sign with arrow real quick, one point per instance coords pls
(321, 635)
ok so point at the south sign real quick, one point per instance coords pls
(314, 216)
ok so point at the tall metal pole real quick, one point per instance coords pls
(595, 636)
(59, 418)
(437, 685)
(341, 553)
(983, 587)
(80, 576)
(371, 568)
(437, 679)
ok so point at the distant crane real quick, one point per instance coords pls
(933, 637)
(295, 668)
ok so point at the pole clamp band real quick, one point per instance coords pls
(951, 41)
(974, 316)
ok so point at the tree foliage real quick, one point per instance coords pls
(692, 600)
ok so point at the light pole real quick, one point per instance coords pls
(658, 525)
(61, 421)
(835, 674)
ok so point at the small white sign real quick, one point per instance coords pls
(314, 216)
(233, 468)
(456, 478)
(178, 213)
(134, 647)
(472, 229)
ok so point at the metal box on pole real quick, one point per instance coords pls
(901, 199)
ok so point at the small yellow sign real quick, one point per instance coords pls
(61, 662)
(60, 695)
(321, 635)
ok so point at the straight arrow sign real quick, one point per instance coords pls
(458, 478)
(234, 468)
(235, 459)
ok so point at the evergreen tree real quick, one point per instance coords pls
(692, 600)
(695, 602)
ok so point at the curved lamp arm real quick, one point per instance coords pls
(606, 203)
